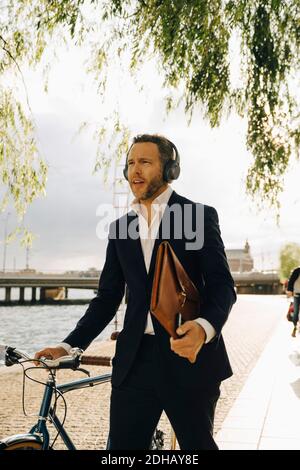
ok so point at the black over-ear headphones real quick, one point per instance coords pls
(171, 169)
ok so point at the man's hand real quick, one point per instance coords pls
(289, 293)
(50, 353)
(193, 340)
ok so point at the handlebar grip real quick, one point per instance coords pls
(96, 360)
(65, 362)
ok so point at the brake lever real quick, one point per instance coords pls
(85, 372)
(12, 356)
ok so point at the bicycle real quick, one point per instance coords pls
(38, 437)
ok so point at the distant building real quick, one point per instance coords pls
(240, 261)
(91, 272)
(28, 271)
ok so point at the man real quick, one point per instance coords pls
(293, 289)
(151, 371)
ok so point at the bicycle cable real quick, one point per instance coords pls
(33, 380)
(54, 412)
(65, 403)
(57, 394)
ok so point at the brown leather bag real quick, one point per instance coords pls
(174, 296)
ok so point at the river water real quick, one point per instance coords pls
(30, 328)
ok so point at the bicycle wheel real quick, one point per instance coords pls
(21, 442)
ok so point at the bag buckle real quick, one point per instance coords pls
(184, 298)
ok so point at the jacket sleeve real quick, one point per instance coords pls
(104, 306)
(219, 293)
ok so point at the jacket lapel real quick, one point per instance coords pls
(135, 247)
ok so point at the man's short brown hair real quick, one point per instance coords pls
(165, 147)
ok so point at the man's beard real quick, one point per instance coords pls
(153, 186)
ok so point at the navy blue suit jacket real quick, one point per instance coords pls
(208, 269)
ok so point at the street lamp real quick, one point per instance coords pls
(4, 241)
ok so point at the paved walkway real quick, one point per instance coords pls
(266, 414)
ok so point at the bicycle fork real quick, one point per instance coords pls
(40, 428)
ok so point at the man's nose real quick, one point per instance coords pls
(135, 169)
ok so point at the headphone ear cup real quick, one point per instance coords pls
(125, 172)
(172, 167)
(171, 171)
(166, 173)
(175, 171)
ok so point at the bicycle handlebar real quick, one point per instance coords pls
(96, 360)
(72, 361)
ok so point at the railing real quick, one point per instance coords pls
(252, 283)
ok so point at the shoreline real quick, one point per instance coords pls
(29, 303)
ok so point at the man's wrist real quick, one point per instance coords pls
(67, 347)
(208, 328)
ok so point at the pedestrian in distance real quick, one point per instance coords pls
(293, 290)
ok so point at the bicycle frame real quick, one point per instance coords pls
(46, 410)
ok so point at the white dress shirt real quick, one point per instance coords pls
(148, 234)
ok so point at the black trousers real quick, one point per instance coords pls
(137, 404)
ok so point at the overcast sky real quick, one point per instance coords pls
(213, 169)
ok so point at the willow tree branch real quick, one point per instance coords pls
(5, 48)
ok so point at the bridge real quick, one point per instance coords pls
(44, 283)
(256, 282)
(246, 283)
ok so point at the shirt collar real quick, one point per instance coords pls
(161, 200)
